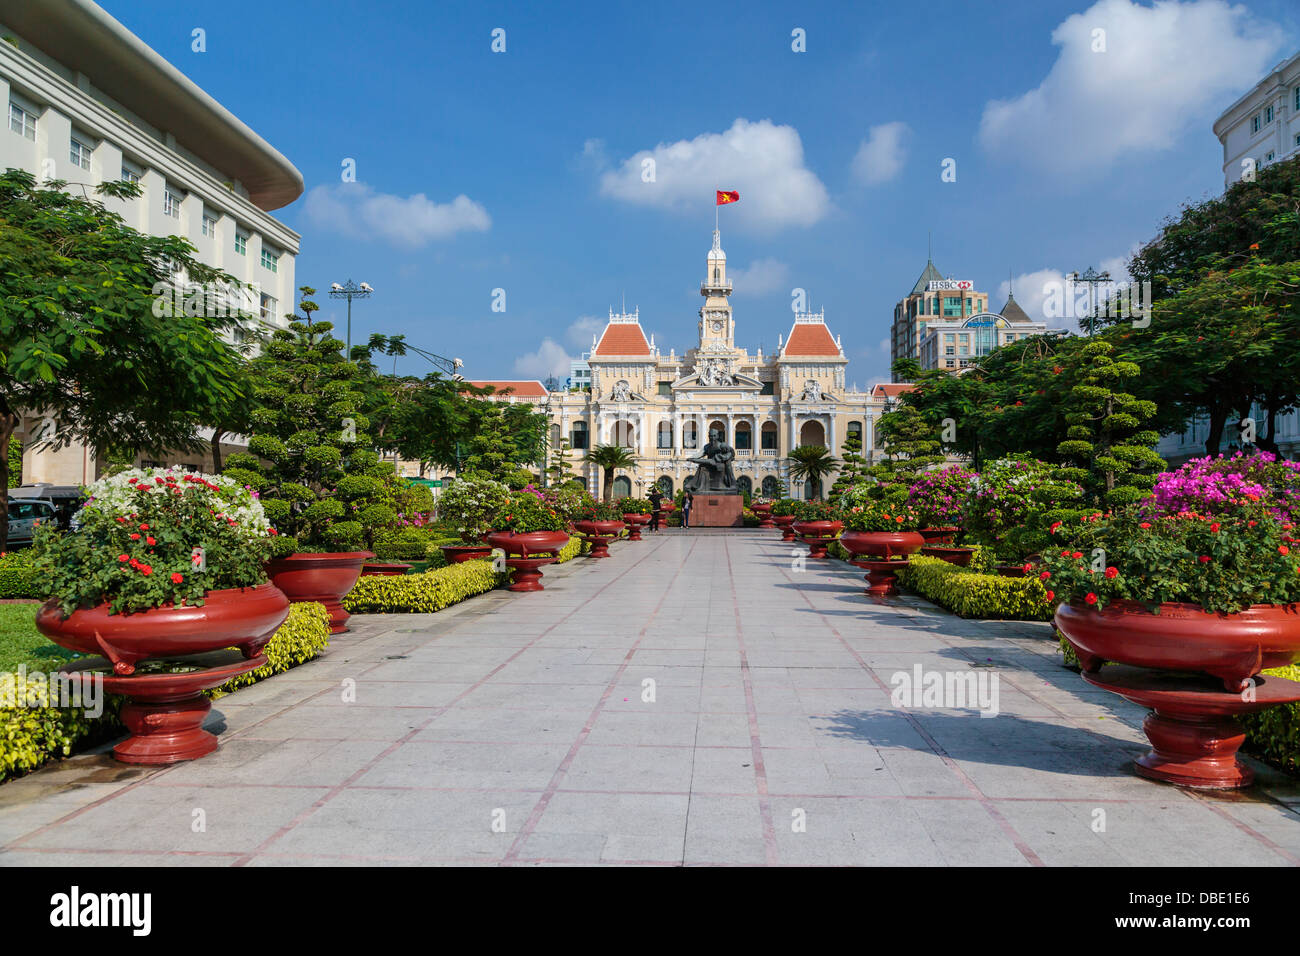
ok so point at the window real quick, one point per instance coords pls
(1254, 123)
(22, 121)
(767, 435)
(948, 363)
(578, 436)
(131, 173)
(171, 203)
(1268, 114)
(744, 437)
(949, 338)
(665, 435)
(269, 306)
(241, 242)
(209, 223)
(270, 259)
(1296, 107)
(688, 435)
(951, 305)
(949, 350)
(769, 388)
(1268, 157)
(665, 388)
(79, 153)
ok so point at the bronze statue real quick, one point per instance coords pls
(714, 476)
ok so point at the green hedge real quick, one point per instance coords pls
(971, 593)
(18, 576)
(403, 544)
(31, 736)
(433, 590)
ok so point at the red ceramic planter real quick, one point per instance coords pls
(817, 535)
(785, 523)
(236, 617)
(1182, 637)
(384, 568)
(881, 544)
(958, 556)
(940, 535)
(323, 577)
(599, 534)
(764, 512)
(534, 549)
(882, 576)
(634, 523)
(457, 553)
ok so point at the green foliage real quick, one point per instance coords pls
(610, 458)
(33, 732)
(811, 463)
(784, 507)
(302, 636)
(403, 544)
(969, 593)
(633, 506)
(1274, 733)
(909, 443)
(471, 505)
(15, 462)
(20, 577)
(526, 512)
(870, 515)
(421, 593)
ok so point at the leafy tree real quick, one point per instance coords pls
(909, 443)
(15, 462)
(81, 342)
(610, 458)
(492, 453)
(811, 463)
(1107, 436)
(557, 471)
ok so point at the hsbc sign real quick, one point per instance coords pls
(949, 285)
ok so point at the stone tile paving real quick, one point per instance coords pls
(514, 729)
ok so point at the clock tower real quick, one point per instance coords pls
(717, 328)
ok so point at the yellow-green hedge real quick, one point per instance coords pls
(18, 576)
(30, 736)
(970, 593)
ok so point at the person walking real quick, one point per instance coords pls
(686, 509)
(656, 504)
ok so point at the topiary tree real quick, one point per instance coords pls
(853, 467)
(1107, 438)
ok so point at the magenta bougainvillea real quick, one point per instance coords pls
(1228, 485)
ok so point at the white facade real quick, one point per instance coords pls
(1262, 127)
(86, 101)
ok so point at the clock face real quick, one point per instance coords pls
(717, 326)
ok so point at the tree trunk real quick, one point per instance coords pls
(8, 422)
(1214, 438)
(216, 450)
(608, 489)
(1267, 441)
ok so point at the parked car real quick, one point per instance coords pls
(64, 499)
(25, 514)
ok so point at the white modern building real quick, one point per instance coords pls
(1263, 126)
(956, 344)
(86, 101)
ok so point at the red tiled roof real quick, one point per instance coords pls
(813, 339)
(622, 339)
(891, 389)
(518, 389)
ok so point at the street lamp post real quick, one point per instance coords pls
(1093, 278)
(350, 290)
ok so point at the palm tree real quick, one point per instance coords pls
(610, 457)
(812, 463)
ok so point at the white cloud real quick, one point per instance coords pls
(581, 329)
(549, 359)
(882, 154)
(760, 277)
(762, 161)
(1165, 68)
(1033, 289)
(355, 209)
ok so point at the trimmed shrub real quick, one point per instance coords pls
(1274, 734)
(18, 576)
(403, 544)
(302, 636)
(969, 593)
(422, 593)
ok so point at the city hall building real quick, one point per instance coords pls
(663, 408)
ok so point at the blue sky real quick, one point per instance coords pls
(522, 170)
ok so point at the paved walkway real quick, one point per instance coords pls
(516, 729)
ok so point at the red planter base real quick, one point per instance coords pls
(882, 576)
(527, 573)
(1193, 726)
(165, 712)
(817, 535)
(457, 553)
(786, 525)
(764, 513)
(634, 523)
(958, 556)
(599, 544)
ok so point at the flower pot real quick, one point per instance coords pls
(533, 549)
(785, 523)
(634, 522)
(764, 512)
(817, 535)
(599, 534)
(939, 535)
(1183, 637)
(319, 576)
(457, 553)
(882, 576)
(1013, 570)
(386, 568)
(234, 617)
(958, 556)
(881, 543)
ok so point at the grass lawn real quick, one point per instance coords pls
(21, 643)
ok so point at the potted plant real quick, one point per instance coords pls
(531, 533)
(879, 529)
(763, 508)
(162, 564)
(939, 499)
(1209, 594)
(783, 516)
(636, 512)
(469, 506)
(599, 524)
(817, 524)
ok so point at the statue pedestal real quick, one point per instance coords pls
(717, 511)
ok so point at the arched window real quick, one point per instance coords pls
(555, 436)
(768, 436)
(744, 436)
(578, 436)
(770, 487)
(665, 486)
(745, 485)
(689, 437)
(855, 431)
(665, 435)
(622, 487)
(624, 434)
(812, 433)
(720, 427)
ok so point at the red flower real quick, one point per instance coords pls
(146, 569)
(1204, 559)
(1045, 575)
(272, 531)
(1254, 246)
(124, 557)
(1215, 527)
(1283, 549)
(1112, 572)
(1090, 598)
(1145, 524)
(1065, 554)
(177, 577)
(1051, 595)
(135, 536)
(150, 541)
(144, 527)
(1077, 554)
(1055, 525)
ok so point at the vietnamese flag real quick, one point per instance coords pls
(726, 197)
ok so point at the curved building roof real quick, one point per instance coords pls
(85, 38)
